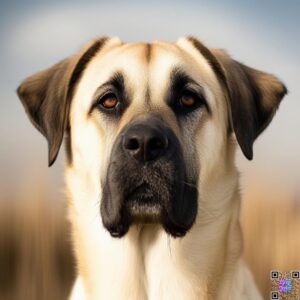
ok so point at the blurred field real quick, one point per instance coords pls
(271, 225)
(36, 261)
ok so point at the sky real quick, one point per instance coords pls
(36, 34)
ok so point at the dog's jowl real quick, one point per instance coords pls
(150, 134)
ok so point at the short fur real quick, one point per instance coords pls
(147, 262)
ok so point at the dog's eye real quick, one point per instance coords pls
(190, 101)
(187, 100)
(109, 101)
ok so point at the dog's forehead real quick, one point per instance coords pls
(146, 67)
(154, 60)
(137, 61)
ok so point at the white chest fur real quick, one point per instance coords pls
(148, 264)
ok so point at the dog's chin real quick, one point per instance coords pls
(143, 206)
(143, 209)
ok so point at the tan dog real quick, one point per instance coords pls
(153, 190)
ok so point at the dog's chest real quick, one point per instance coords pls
(135, 268)
(147, 263)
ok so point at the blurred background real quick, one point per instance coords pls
(36, 260)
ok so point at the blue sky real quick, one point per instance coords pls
(36, 34)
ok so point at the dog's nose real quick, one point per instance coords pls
(145, 142)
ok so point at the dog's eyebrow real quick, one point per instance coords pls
(115, 83)
(181, 81)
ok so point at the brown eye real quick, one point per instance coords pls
(187, 101)
(109, 101)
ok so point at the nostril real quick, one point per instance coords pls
(155, 147)
(132, 144)
(145, 143)
(156, 144)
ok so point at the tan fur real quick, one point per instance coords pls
(147, 263)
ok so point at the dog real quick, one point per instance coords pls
(150, 134)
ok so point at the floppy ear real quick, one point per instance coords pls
(254, 97)
(46, 96)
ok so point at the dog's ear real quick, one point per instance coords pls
(253, 96)
(46, 96)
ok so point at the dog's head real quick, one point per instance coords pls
(145, 123)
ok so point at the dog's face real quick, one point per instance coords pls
(146, 123)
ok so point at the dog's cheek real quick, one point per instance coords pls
(86, 152)
(211, 147)
(189, 128)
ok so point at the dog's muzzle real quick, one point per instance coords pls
(147, 181)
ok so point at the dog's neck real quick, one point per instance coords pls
(149, 264)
